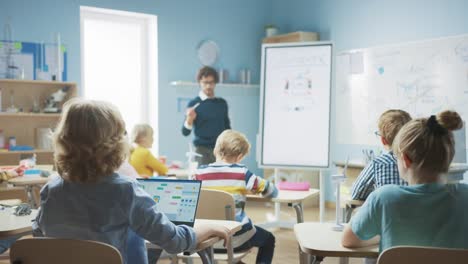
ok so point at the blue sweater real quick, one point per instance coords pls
(212, 119)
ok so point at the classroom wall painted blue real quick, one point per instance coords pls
(237, 26)
(353, 24)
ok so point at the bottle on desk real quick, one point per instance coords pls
(11, 142)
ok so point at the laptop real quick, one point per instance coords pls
(177, 199)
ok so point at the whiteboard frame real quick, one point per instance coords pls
(260, 162)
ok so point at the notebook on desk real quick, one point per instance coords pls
(177, 199)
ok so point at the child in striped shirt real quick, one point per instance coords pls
(227, 174)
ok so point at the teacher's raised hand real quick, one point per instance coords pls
(191, 115)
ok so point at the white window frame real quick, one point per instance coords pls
(149, 63)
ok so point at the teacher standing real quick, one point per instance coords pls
(206, 115)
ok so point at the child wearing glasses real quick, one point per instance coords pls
(207, 115)
(383, 169)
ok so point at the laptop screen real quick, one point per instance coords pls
(177, 199)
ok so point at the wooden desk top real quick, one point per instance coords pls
(318, 239)
(30, 180)
(287, 196)
(179, 173)
(233, 226)
(355, 164)
(12, 225)
(454, 167)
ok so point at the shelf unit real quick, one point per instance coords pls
(219, 85)
(23, 125)
(16, 152)
(298, 36)
(28, 115)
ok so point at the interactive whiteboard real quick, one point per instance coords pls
(423, 78)
(295, 105)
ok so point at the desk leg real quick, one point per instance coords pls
(230, 253)
(31, 199)
(316, 259)
(303, 257)
(344, 260)
(206, 255)
(299, 212)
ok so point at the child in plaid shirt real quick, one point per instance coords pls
(383, 169)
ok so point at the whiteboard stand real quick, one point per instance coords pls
(277, 205)
(288, 96)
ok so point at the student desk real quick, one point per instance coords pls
(455, 173)
(320, 241)
(12, 225)
(29, 183)
(179, 173)
(205, 248)
(293, 199)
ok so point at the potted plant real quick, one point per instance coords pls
(271, 30)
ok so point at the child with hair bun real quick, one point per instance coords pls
(428, 212)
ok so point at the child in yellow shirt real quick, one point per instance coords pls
(141, 157)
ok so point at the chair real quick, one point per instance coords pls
(426, 255)
(59, 251)
(216, 205)
(219, 205)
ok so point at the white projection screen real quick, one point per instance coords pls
(295, 105)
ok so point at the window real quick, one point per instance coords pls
(119, 63)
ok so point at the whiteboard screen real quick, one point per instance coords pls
(423, 78)
(295, 105)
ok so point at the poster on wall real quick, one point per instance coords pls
(32, 61)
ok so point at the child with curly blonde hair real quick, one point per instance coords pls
(90, 201)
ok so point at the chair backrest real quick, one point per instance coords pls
(59, 251)
(426, 255)
(216, 205)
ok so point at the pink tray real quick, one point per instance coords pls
(294, 186)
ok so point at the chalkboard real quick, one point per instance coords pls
(295, 105)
